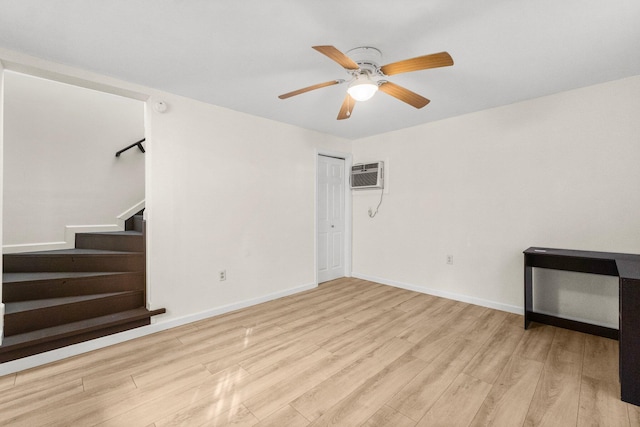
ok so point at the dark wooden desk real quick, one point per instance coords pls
(624, 266)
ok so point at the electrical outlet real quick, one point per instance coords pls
(450, 259)
(222, 275)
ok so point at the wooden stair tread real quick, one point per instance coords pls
(63, 297)
(76, 328)
(54, 275)
(22, 306)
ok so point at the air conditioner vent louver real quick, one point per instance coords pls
(366, 176)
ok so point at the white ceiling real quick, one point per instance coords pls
(242, 54)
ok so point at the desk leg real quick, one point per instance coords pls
(630, 340)
(528, 292)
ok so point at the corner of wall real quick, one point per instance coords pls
(1, 187)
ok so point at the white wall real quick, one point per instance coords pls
(228, 191)
(559, 171)
(59, 159)
(224, 190)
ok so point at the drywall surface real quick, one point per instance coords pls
(59, 158)
(228, 191)
(223, 190)
(559, 171)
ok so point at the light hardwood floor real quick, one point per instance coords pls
(349, 353)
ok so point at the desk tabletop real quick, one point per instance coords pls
(628, 265)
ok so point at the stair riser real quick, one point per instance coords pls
(68, 287)
(30, 350)
(17, 323)
(15, 263)
(124, 242)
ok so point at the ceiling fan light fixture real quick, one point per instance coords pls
(362, 89)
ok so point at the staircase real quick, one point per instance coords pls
(58, 298)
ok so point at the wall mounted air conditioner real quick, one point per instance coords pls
(367, 175)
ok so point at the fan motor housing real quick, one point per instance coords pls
(366, 57)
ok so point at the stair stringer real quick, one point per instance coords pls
(1, 319)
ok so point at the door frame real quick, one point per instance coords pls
(348, 161)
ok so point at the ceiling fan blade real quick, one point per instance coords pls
(346, 108)
(338, 57)
(310, 88)
(435, 60)
(404, 95)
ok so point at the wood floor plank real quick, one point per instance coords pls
(238, 416)
(224, 357)
(316, 401)
(435, 343)
(26, 399)
(373, 292)
(330, 331)
(440, 313)
(357, 331)
(398, 325)
(387, 416)
(419, 395)
(468, 316)
(366, 314)
(283, 370)
(279, 394)
(217, 332)
(555, 401)
(349, 353)
(509, 398)
(515, 319)
(394, 299)
(570, 340)
(367, 399)
(136, 408)
(601, 359)
(7, 381)
(418, 303)
(495, 353)
(325, 311)
(458, 404)
(285, 416)
(319, 398)
(485, 325)
(600, 404)
(194, 397)
(96, 361)
(146, 362)
(78, 409)
(536, 342)
(634, 414)
(272, 355)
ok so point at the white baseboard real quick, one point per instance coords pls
(438, 293)
(32, 247)
(157, 325)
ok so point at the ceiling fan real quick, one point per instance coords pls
(367, 76)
